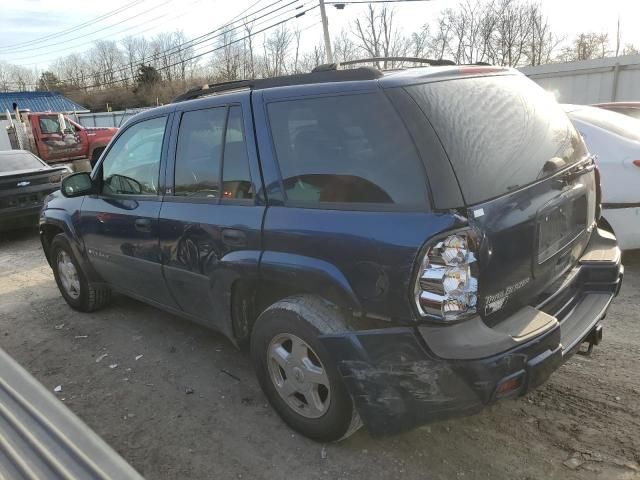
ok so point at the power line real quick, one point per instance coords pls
(200, 40)
(194, 41)
(277, 24)
(75, 27)
(372, 1)
(87, 34)
(111, 35)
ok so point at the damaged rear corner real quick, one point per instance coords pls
(394, 382)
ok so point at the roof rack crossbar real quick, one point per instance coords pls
(430, 61)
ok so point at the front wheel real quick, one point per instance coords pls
(72, 282)
(295, 371)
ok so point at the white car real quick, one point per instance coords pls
(615, 140)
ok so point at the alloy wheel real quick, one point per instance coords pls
(299, 376)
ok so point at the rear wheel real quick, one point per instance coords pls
(297, 374)
(72, 282)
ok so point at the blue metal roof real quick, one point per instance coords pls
(39, 102)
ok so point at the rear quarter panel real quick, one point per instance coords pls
(361, 260)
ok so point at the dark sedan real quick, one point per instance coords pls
(25, 181)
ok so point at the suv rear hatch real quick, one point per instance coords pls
(528, 184)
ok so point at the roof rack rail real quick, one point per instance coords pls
(202, 90)
(430, 61)
(316, 76)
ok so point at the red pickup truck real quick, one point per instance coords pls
(55, 138)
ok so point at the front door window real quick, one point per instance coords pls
(132, 165)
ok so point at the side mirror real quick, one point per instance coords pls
(76, 185)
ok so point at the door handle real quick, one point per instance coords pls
(233, 237)
(143, 224)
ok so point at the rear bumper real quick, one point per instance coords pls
(403, 377)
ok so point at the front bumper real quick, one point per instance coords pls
(403, 377)
(19, 217)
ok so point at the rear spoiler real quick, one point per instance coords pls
(41, 438)
(30, 173)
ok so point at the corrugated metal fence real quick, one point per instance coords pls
(590, 81)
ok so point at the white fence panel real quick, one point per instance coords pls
(613, 79)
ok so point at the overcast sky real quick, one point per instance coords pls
(28, 20)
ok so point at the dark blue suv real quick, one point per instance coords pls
(395, 248)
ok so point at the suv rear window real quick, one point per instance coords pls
(500, 132)
(346, 149)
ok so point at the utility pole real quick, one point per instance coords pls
(327, 39)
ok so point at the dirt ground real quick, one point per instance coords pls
(589, 410)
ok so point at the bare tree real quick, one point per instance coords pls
(227, 59)
(250, 70)
(5, 76)
(630, 49)
(512, 32)
(471, 28)
(130, 55)
(73, 70)
(21, 78)
(419, 42)
(313, 58)
(183, 53)
(376, 34)
(276, 49)
(107, 59)
(344, 49)
(542, 41)
(440, 41)
(586, 46)
(296, 56)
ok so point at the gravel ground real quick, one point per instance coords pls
(178, 401)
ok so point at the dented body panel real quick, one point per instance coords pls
(403, 377)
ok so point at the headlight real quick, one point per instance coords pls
(447, 286)
(57, 178)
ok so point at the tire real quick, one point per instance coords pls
(304, 318)
(84, 296)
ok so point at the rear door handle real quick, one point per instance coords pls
(234, 238)
(143, 224)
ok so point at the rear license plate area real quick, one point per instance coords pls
(560, 226)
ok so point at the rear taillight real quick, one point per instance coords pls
(598, 195)
(447, 287)
(636, 163)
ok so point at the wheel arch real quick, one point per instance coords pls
(54, 222)
(283, 275)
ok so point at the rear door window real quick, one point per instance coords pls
(347, 149)
(501, 133)
(199, 153)
(236, 179)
